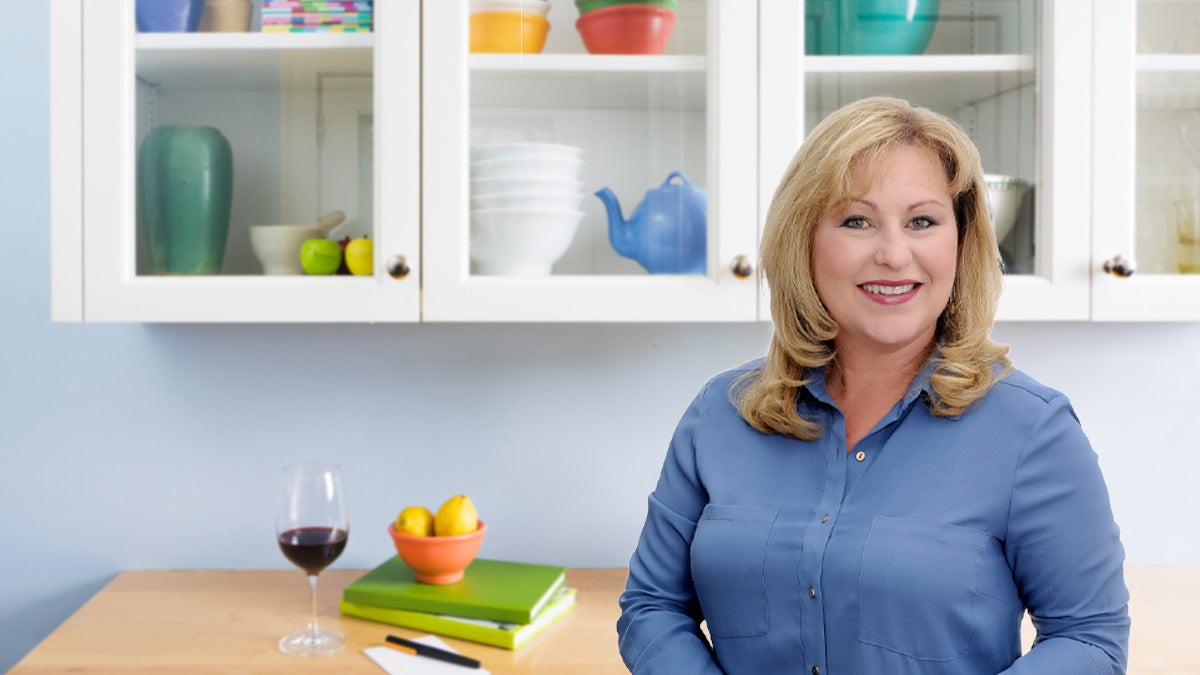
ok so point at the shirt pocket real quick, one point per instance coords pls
(918, 587)
(729, 553)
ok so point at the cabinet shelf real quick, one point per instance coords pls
(571, 81)
(941, 82)
(246, 61)
(985, 63)
(255, 41)
(1168, 63)
(558, 64)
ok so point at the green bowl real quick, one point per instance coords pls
(585, 6)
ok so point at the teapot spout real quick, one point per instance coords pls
(620, 232)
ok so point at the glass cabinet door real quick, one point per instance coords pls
(995, 68)
(1148, 160)
(612, 180)
(227, 174)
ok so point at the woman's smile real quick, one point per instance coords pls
(890, 292)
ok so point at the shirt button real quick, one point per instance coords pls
(812, 592)
(860, 455)
(816, 670)
(825, 518)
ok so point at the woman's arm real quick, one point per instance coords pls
(659, 627)
(1065, 552)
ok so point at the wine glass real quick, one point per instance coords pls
(312, 529)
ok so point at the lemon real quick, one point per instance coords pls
(455, 517)
(360, 256)
(415, 520)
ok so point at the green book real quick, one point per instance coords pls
(495, 633)
(497, 590)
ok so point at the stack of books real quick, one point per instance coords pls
(317, 16)
(498, 602)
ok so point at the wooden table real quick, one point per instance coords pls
(230, 621)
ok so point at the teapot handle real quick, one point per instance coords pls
(676, 174)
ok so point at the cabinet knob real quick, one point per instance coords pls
(397, 267)
(742, 267)
(1119, 267)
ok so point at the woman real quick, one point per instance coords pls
(882, 493)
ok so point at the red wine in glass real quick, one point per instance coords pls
(312, 548)
(311, 528)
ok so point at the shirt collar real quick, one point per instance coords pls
(919, 388)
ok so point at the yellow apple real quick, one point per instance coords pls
(360, 256)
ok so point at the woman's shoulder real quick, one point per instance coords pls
(724, 379)
(718, 390)
(1018, 388)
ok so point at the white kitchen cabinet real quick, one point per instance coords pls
(299, 112)
(1147, 178)
(1086, 101)
(1015, 74)
(323, 122)
(637, 118)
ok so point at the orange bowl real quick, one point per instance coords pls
(438, 560)
(508, 32)
(626, 29)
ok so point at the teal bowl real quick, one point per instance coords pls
(892, 27)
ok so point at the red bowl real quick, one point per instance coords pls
(626, 29)
(438, 560)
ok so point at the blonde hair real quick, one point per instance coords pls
(820, 178)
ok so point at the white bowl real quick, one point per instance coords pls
(551, 168)
(528, 202)
(1004, 199)
(510, 242)
(539, 7)
(515, 150)
(277, 247)
(523, 186)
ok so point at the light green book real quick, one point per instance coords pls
(496, 590)
(495, 633)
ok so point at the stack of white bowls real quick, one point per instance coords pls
(525, 200)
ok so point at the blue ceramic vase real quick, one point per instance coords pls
(185, 193)
(169, 16)
(869, 26)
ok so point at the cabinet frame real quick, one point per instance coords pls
(1060, 289)
(1141, 297)
(452, 293)
(103, 229)
(66, 160)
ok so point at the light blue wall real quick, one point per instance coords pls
(130, 446)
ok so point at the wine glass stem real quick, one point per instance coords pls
(312, 608)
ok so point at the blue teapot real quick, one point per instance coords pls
(668, 231)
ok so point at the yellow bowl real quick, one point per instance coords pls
(508, 33)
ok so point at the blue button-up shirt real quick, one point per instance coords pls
(918, 552)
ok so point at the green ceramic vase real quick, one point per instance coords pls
(185, 192)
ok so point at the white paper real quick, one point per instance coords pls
(397, 662)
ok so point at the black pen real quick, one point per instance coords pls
(433, 652)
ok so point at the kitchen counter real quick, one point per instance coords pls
(183, 621)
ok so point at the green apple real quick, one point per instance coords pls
(320, 256)
(360, 256)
